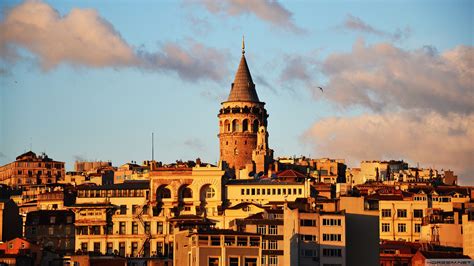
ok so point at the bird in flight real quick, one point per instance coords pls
(321, 89)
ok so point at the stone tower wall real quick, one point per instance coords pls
(236, 140)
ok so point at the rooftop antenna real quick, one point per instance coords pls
(31, 144)
(152, 147)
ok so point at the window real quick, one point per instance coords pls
(242, 191)
(386, 213)
(210, 192)
(134, 209)
(215, 241)
(51, 230)
(402, 228)
(52, 219)
(264, 244)
(212, 261)
(159, 228)
(272, 244)
(418, 213)
(250, 261)
(134, 249)
(262, 229)
(401, 213)
(417, 228)
(96, 247)
(272, 230)
(95, 230)
(122, 249)
(122, 230)
(385, 227)
(306, 222)
(134, 228)
(272, 260)
(69, 219)
(110, 248)
(300, 191)
(147, 227)
(123, 209)
(84, 246)
(233, 262)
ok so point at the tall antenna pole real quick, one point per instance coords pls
(152, 147)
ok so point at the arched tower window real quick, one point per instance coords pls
(255, 126)
(235, 125)
(226, 126)
(245, 125)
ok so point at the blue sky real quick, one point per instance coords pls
(165, 66)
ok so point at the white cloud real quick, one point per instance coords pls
(384, 77)
(194, 63)
(270, 11)
(84, 38)
(432, 139)
(81, 37)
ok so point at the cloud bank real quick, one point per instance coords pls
(267, 10)
(84, 38)
(432, 139)
(421, 103)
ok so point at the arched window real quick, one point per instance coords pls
(185, 192)
(255, 126)
(207, 192)
(210, 193)
(226, 126)
(235, 125)
(163, 193)
(245, 125)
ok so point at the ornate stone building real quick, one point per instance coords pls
(240, 119)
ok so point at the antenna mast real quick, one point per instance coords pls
(152, 147)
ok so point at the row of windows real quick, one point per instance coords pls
(309, 252)
(332, 252)
(271, 260)
(232, 261)
(402, 213)
(216, 240)
(307, 222)
(39, 164)
(332, 222)
(401, 227)
(262, 229)
(110, 193)
(271, 191)
(120, 250)
(332, 237)
(309, 238)
(270, 244)
(122, 229)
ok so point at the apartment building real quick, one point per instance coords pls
(52, 229)
(266, 190)
(468, 233)
(217, 247)
(30, 169)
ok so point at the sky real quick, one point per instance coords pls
(91, 80)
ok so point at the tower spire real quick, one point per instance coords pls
(243, 44)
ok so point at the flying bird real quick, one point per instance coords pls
(321, 89)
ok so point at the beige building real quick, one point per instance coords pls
(216, 247)
(468, 233)
(401, 214)
(29, 169)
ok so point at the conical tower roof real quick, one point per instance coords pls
(243, 88)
